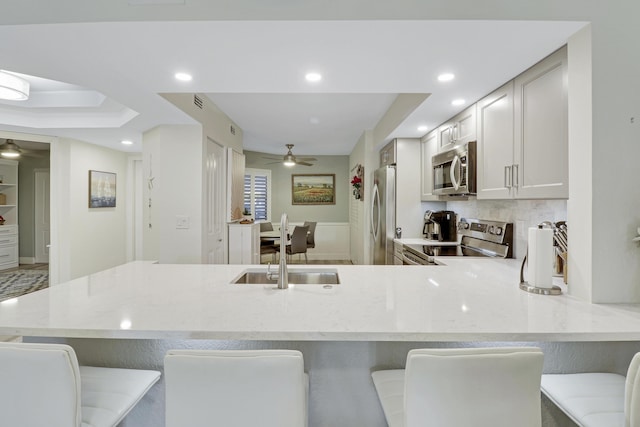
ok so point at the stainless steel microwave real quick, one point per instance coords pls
(454, 170)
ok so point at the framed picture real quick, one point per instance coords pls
(102, 189)
(313, 189)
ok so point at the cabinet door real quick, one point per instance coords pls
(495, 144)
(428, 147)
(465, 125)
(541, 135)
(445, 137)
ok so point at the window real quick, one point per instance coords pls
(257, 193)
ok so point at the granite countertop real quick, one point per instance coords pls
(469, 299)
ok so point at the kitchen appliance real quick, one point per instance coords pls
(454, 170)
(383, 210)
(440, 225)
(480, 238)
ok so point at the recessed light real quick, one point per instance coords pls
(458, 102)
(423, 128)
(313, 77)
(126, 142)
(183, 77)
(446, 77)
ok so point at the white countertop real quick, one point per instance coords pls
(470, 299)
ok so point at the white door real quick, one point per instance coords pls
(215, 203)
(42, 223)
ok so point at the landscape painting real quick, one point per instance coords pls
(313, 189)
(102, 189)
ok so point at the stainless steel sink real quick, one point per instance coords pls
(297, 276)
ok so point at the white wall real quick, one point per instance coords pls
(91, 240)
(172, 155)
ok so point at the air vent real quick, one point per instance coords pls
(197, 101)
(232, 130)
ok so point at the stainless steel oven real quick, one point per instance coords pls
(480, 238)
(454, 170)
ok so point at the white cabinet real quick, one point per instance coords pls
(9, 211)
(459, 129)
(522, 135)
(244, 243)
(428, 147)
(495, 144)
(541, 130)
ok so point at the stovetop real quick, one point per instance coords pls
(480, 238)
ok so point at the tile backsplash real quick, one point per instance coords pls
(522, 213)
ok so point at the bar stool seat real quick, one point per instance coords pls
(597, 399)
(480, 387)
(42, 385)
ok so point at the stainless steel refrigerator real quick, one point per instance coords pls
(383, 214)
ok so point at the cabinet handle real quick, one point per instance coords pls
(507, 176)
(5, 241)
(516, 180)
(4, 256)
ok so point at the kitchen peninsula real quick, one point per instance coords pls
(131, 314)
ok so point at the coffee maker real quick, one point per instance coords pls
(440, 226)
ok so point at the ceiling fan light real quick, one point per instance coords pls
(12, 87)
(289, 163)
(9, 150)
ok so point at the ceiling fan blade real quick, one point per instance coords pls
(274, 163)
(272, 158)
(307, 159)
(303, 163)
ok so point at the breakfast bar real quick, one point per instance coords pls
(130, 315)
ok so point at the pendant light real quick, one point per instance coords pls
(12, 87)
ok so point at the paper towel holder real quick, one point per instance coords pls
(525, 286)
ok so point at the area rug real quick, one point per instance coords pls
(16, 283)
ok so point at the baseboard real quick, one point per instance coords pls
(27, 260)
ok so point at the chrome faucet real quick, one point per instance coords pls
(283, 273)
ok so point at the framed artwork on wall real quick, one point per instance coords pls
(102, 189)
(313, 189)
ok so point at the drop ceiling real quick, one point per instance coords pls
(100, 82)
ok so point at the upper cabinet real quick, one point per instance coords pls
(522, 135)
(459, 129)
(428, 147)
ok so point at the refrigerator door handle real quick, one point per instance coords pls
(375, 205)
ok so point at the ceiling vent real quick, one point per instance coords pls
(197, 101)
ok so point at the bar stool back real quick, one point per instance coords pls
(480, 387)
(266, 388)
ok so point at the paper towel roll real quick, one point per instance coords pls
(540, 257)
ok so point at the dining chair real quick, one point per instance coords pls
(597, 399)
(456, 387)
(266, 226)
(311, 241)
(298, 243)
(43, 385)
(236, 388)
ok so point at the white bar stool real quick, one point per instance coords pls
(461, 387)
(235, 388)
(42, 385)
(597, 399)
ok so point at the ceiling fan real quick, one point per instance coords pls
(11, 150)
(290, 160)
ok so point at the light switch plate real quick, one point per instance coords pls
(182, 221)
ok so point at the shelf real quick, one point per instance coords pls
(6, 186)
(7, 206)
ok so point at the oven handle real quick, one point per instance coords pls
(407, 260)
(452, 172)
